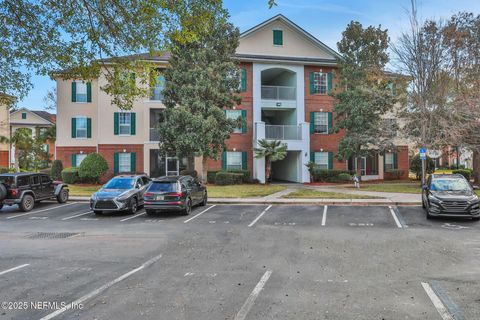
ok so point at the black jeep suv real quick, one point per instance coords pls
(25, 189)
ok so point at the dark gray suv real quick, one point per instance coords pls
(450, 195)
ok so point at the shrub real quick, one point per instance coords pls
(224, 178)
(464, 172)
(211, 176)
(92, 168)
(4, 170)
(245, 175)
(192, 173)
(70, 175)
(344, 177)
(56, 172)
(393, 174)
(416, 165)
(323, 175)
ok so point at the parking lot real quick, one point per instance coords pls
(238, 262)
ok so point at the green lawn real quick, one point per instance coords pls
(314, 194)
(392, 187)
(242, 190)
(83, 190)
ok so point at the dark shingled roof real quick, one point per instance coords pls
(163, 57)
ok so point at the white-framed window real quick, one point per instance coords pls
(81, 127)
(45, 147)
(157, 89)
(79, 158)
(321, 159)
(234, 114)
(320, 83)
(389, 162)
(125, 123)
(321, 122)
(81, 91)
(124, 162)
(234, 160)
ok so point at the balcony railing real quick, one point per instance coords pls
(279, 93)
(154, 135)
(283, 132)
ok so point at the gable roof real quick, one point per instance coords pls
(47, 116)
(295, 27)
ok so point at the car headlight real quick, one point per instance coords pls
(432, 198)
(94, 197)
(123, 197)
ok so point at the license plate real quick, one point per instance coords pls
(159, 198)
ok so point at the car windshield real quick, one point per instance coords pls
(164, 186)
(449, 185)
(120, 183)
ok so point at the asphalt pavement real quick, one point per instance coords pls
(238, 262)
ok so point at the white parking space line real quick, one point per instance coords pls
(242, 313)
(101, 289)
(324, 217)
(394, 215)
(442, 310)
(13, 269)
(77, 215)
(259, 216)
(43, 210)
(198, 214)
(133, 217)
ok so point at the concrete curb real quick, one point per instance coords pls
(319, 202)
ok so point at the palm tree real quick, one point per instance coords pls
(23, 142)
(271, 150)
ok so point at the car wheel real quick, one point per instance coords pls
(150, 212)
(1, 206)
(27, 203)
(188, 207)
(97, 212)
(3, 191)
(205, 199)
(62, 197)
(133, 205)
(427, 209)
(423, 204)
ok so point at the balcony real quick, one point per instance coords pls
(283, 132)
(283, 97)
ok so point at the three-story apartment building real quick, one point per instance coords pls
(286, 77)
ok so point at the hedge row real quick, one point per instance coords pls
(245, 174)
(224, 178)
(70, 175)
(322, 175)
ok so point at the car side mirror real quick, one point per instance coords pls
(425, 188)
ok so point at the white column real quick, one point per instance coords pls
(259, 164)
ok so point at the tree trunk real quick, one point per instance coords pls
(204, 168)
(268, 169)
(17, 160)
(476, 166)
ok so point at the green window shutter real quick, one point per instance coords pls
(244, 160)
(278, 37)
(244, 121)
(312, 156)
(329, 82)
(89, 92)
(133, 162)
(74, 160)
(47, 149)
(24, 115)
(115, 124)
(74, 127)
(224, 160)
(244, 79)
(74, 91)
(330, 161)
(394, 89)
(133, 123)
(115, 163)
(89, 127)
(312, 122)
(395, 161)
(384, 163)
(312, 80)
(330, 122)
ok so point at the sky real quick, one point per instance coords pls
(324, 19)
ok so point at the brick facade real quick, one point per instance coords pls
(4, 159)
(108, 150)
(64, 154)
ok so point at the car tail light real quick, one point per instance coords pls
(14, 192)
(176, 194)
(148, 194)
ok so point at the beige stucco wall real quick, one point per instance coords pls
(295, 44)
(102, 112)
(31, 120)
(4, 125)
